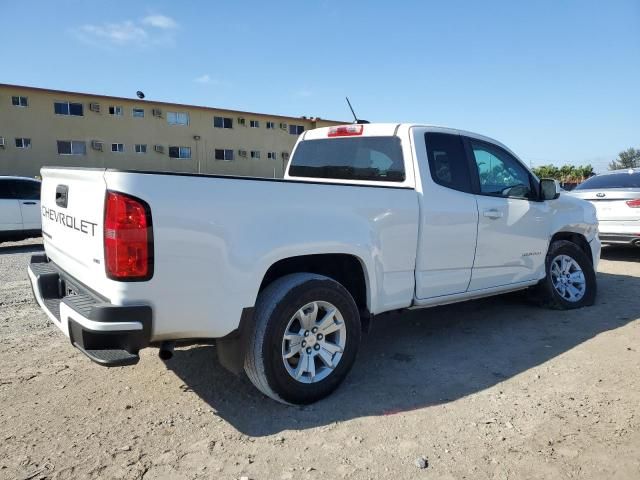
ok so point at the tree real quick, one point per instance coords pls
(566, 173)
(628, 159)
(547, 171)
(585, 171)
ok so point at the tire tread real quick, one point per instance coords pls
(267, 302)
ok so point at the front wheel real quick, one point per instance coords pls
(305, 339)
(571, 280)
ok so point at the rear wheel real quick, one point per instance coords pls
(305, 339)
(571, 280)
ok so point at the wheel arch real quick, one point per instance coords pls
(347, 269)
(576, 238)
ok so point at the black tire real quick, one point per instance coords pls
(275, 306)
(546, 292)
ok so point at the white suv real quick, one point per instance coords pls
(19, 208)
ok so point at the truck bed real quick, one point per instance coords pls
(214, 238)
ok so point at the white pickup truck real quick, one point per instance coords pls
(285, 274)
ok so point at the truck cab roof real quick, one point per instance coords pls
(403, 131)
(389, 129)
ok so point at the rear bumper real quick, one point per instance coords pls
(110, 335)
(620, 238)
(619, 232)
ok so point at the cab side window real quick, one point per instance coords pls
(500, 174)
(448, 161)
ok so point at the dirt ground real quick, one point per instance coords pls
(495, 388)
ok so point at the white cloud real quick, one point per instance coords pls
(203, 79)
(151, 30)
(117, 33)
(160, 21)
(303, 93)
(206, 79)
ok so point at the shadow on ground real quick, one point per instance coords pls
(420, 358)
(13, 249)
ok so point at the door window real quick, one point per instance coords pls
(8, 189)
(448, 161)
(27, 190)
(500, 174)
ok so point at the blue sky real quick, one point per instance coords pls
(557, 81)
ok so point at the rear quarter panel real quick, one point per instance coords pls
(215, 238)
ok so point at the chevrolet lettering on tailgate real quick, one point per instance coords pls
(69, 221)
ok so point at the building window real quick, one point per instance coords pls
(138, 112)
(19, 101)
(271, 125)
(117, 147)
(180, 152)
(255, 154)
(23, 143)
(285, 155)
(296, 129)
(254, 123)
(68, 108)
(271, 156)
(177, 118)
(222, 122)
(223, 154)
(115, 110)
(241, 121)
(141, 148)
(72, 147)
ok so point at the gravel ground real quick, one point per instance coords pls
(494, 388)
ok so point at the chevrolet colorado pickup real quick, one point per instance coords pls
(285, 274)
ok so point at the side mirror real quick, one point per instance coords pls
(549, 189)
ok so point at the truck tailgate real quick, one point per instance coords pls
(72, 220)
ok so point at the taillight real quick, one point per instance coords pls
(128, 249)
(346, 131)
(634, 203)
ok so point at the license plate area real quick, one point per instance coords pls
(70, 291)
(66, 288)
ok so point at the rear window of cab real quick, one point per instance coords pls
(362, 158)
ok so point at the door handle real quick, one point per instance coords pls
(28, 203)
(493, 214)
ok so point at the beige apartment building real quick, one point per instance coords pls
(41, 127)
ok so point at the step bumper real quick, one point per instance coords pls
(110, 335)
